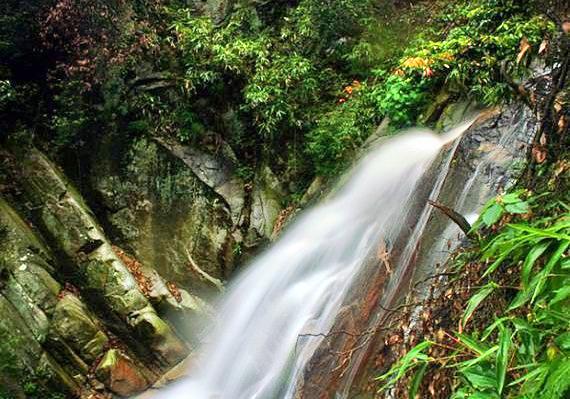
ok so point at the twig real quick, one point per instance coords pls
(202, 274)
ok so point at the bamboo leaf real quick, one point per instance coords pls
(518, 207)
(481, 377)
(502, 360)
(548, 268)
(531, 258)
(417, 380)
(476, 300)
(561, 294)
(477, 347)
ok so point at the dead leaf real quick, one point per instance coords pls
(543, 46)
(566, 26)
(539, 154)
(524, 48)
(543, 139)
(562, 123)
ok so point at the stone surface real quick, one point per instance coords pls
(266, 203)
(119, 373)
(99, 271)
(160, 212)
(75, 323)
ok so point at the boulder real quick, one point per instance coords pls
(119, 373)
(265, 204)
(74, 322)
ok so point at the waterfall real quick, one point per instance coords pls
(276, 313)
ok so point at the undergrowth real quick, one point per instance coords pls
(524, 351)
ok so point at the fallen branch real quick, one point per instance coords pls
(202, 274)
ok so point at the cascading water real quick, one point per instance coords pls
(274, 315)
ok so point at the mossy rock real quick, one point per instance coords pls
(158, 209)
(98, 269)
(75, 323)
(120, 374)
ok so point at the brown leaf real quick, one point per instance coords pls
(543, 139)
(524, 48)
(539, 154)
(543, 46)
(562, 123)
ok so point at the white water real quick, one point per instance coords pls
(259, 346)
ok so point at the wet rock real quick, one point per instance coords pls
(120, 374)
(266, 203)
(99, 271)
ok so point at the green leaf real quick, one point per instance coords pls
(481, 377)
(561, 294)
(479, 359)
(407, 362)
(510, 198)
(489, 330)
(563, 341)
(477, 347)
(533, 377)
(484, 395)
(531, 258)
(475, 300)
(518, 207)
(548, 268)
(557, 383)
(417, 380)
(492, 214)
(502, 360)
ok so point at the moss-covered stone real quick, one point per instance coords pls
(75, 323)
(99, 272)
(22, 358)
(160, 211)
(120, 374)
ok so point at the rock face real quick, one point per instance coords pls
(159, 210)
(120, 374)
(68, 297)
(115, 297)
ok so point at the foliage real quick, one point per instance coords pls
(34, 384)
(478, 43)
(341, 130)
(468, 50)
(524, 353)
(6, 93)
(281, 69)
